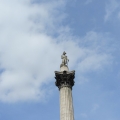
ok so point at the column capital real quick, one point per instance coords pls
(64, 79)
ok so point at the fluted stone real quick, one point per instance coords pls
(66, 104)
(65, 82)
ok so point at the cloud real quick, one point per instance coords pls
(88, 1)
(95, 107)
(92, 53)
(84, 115)
(32, 39)
(26, 47)
(111, 9)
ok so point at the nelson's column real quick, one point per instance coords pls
(65, 81)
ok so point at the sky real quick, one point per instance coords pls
(33, 36)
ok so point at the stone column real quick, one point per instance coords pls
(65, 81)
(66, 104)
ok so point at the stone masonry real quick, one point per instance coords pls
(65, 82)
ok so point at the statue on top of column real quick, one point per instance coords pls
(64, 59)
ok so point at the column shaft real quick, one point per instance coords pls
(66, 104)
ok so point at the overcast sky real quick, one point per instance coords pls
(34, 34)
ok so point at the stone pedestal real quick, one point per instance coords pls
(65, 82)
